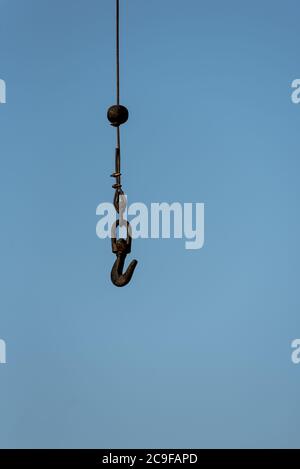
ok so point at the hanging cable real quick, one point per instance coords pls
(118, 49)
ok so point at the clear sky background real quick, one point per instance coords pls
(196, 351)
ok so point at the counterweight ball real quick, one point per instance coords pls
(117, 115)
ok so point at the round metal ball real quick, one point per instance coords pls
(117, 115)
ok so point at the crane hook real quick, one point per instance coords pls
(121, 247)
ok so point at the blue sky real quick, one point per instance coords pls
(195, 352)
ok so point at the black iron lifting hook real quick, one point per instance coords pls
(121, 247)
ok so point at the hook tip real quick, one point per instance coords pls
(121, 279)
